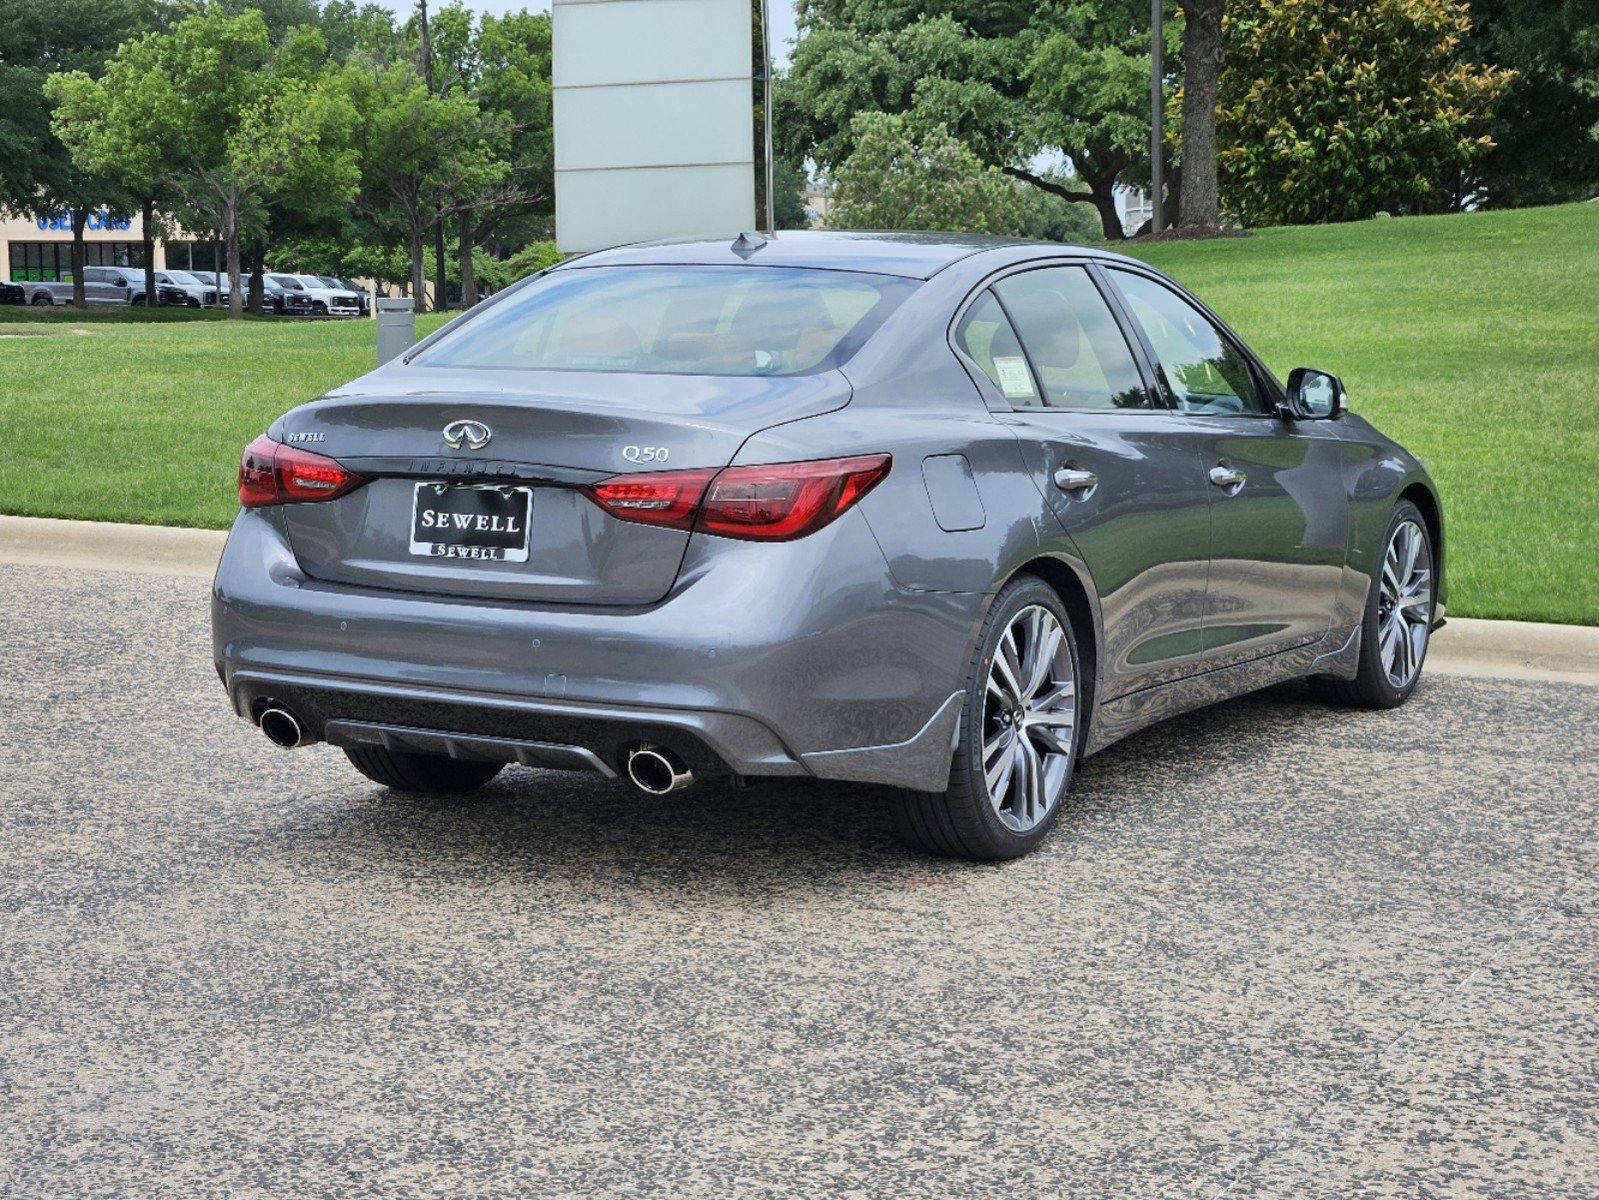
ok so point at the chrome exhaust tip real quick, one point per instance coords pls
(281, 729)
(657, 770)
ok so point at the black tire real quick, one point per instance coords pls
(428, 774)
(42, 301)
(319, 308)
(960, 822)
(193, 303)
(1371, 687)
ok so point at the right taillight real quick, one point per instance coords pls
(272, 473)
(773, 502)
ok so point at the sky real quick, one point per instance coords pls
(782, 16)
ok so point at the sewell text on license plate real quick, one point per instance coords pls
(472, 522)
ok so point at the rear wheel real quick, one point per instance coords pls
(1398, 619)
(430, 774)
(41, 301)
(1019, 735)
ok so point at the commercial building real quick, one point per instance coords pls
(40, 248)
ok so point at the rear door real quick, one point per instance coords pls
(1279, 515)
(1099, 443)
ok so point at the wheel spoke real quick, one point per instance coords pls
(1052, 739)
(1043, 652)
(999, 774)
(1036, 799)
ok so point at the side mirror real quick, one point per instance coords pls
(1315, 395)
(121, 282)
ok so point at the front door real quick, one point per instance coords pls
(1131, 498)
(1279, 516)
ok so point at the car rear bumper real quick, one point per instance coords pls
(797, 658)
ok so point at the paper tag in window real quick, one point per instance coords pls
(1014, 378)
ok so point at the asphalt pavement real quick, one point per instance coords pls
(1272, 949)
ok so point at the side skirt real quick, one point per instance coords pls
(1337, 653)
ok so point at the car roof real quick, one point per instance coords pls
(913, 255)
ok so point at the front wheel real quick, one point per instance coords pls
(320, 309)
(1398, 618)
(429, 774)
(1019, 735)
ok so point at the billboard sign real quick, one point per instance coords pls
(654, 120)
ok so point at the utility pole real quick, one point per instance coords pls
(766, 111)
(438, 225)
(1157, 43)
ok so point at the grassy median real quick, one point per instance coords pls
(1473, 339)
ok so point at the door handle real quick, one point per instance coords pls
(1226, 477)
(1070, 479)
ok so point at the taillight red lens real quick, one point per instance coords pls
(776, 502)
(669, 498)
(272, 473)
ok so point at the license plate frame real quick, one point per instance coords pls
(472, 540)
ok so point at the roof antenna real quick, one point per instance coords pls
(746, 244)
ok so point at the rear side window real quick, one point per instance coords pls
(1067, 329)
(678, 320)
(985, 333)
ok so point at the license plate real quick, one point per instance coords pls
(452, 521)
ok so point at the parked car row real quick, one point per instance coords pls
(284, 294)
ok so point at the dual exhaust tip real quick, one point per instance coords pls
(652, 769)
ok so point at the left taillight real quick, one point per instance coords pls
(272, 473)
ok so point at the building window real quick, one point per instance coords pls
(51, 262)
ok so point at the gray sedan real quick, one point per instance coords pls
(939, 513)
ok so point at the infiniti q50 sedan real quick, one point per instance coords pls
(932, 512)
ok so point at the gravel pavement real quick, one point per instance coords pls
(1272, 949)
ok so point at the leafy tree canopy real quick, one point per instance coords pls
(1009, 80)
(1546, 129)
(1337, 112)
(899, 177)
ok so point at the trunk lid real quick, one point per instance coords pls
(549, 432)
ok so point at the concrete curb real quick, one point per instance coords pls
(1495, 649)
(103, 546)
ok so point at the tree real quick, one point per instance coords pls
(896, 178)
(1009, 79)
(37, 173)
(1090, 99)
(421, 155)
(1546, 127)
(240, 124)
(1335, 113)
(503, 64)
(1198, 207)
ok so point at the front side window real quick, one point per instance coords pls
(677, 320)
(287, 281)
(182, 277)
(1067, 329)
(1205, 372)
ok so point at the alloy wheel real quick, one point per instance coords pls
(1404, 604)
(1029, 719)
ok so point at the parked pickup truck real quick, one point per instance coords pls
(101, 285)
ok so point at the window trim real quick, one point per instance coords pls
(1159, 402)
(1271, 390)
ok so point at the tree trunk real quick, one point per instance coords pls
(216, 269)
(468, 273)
(1101, 194)
(80, 257)
(257, 278)
(440, 294)
(1198, 206)
(418, 276)
(152, 298)
(235, 279)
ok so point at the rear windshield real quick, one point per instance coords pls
(677, 321)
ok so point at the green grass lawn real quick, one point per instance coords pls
(1472, 339)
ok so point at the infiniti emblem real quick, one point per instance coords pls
(474, 435)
